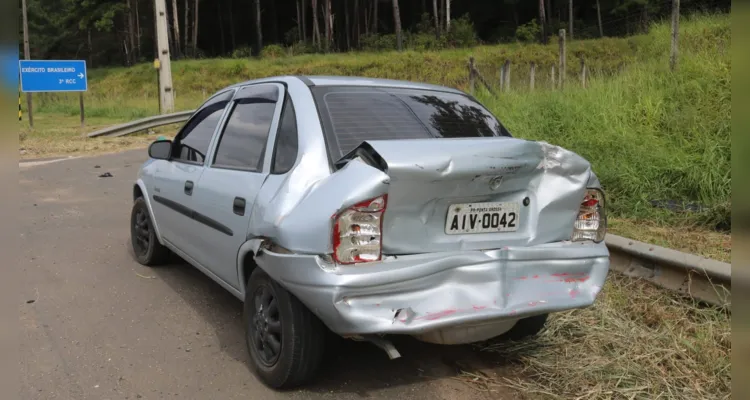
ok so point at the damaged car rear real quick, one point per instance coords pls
(369, 208)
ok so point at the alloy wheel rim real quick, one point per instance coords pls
(141, 236)
(266, 326)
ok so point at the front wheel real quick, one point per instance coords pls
(146, 247)
(284, 339)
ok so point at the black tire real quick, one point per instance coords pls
(526, 327)
(146, 247)
(300, 335)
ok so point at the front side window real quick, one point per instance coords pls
(191, 145)
(352, 115)
(243, 142)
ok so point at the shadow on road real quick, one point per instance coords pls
(349, 367)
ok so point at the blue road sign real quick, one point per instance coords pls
(53, 76)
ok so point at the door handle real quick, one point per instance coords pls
(239, 206)
(189, 188)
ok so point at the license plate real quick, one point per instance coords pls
(482, 218)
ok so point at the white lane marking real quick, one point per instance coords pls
(43, 162)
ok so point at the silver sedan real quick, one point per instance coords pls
(369, 207)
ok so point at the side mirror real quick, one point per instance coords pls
(160, 149)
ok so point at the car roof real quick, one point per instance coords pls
(322, 80)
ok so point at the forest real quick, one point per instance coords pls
(121, 32)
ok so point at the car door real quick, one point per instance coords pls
(225, 194)
(175, 179)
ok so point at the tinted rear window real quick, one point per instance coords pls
(352, 115)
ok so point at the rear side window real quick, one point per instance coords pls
(243, 142)
(285, 151)
(351, 115)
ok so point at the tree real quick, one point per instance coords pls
(304, 22)
(195, 29)
(356, 23)
(447, 15)
(397, 23)
(347, 30)
(258, 30)
(327, 22)
(599, 18)
(542, 22)
(437, 18)
(570, 18)
(176, 27)
(186, 27)
(131, 58)
(316, 28)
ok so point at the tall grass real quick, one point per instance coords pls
(650, 134)
(636, 342)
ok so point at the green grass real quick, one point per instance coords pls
(650, 134)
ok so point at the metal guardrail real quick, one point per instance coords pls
(143, 124)
(698, 277)
(701, 278)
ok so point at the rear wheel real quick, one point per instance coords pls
(284, 339)
(526, 327)
(146, 247)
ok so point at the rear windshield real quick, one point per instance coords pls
(351, 115)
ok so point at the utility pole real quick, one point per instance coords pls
(166, 99)
(675, 33)
(570, 18)
(27, 55)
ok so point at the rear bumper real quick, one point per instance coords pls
(420, 293)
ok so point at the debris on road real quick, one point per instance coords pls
(105, 175)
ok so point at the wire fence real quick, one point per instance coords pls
(567, 70)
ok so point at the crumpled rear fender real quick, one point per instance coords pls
(302, 221)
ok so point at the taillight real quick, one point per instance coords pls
(591, 223)
(357, 232)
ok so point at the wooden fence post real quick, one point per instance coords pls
(561, 36)
(501, 78)
(552, 77)
(471, 75)
(583, 73)
(532, 73)
(506, 78)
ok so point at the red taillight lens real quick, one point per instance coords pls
(357, 232)
(590, 202)
(591, 223)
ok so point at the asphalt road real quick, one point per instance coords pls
(97, 325)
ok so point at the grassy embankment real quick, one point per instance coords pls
(650, 134)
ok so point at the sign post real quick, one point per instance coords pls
(27, 55)
(55, 76)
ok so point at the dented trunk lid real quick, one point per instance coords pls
(475, 193)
